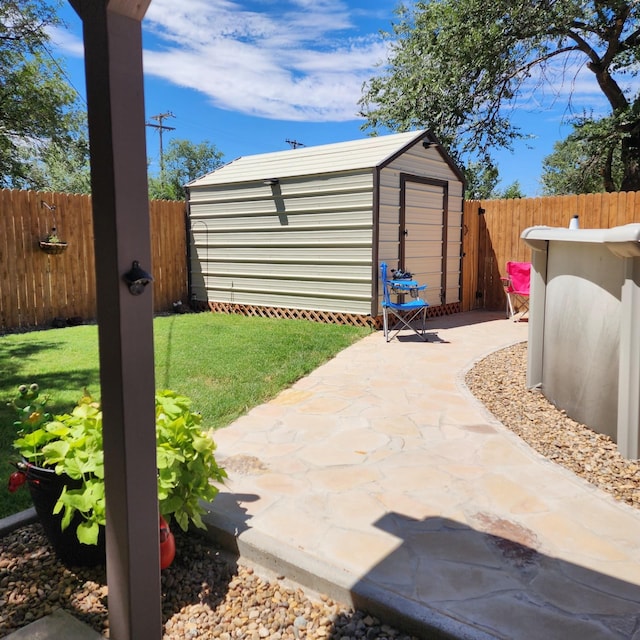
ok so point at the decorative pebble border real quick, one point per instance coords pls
(206, 595)
(499, 382)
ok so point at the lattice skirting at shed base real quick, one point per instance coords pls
(432, 312)
(327, 317)
(444, 310)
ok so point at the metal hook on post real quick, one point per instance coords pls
(52, 208)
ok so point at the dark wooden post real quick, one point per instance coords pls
(113, 64)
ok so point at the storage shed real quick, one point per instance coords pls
(302, 232)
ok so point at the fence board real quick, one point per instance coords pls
(503, 223)
(631, 205)
(10, 288)
(36, 227)
(36, 287)
(22, 244)
(4, 269)
(625, 207)
(470, 238)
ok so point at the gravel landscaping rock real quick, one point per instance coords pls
(499, 382)
(205, 595)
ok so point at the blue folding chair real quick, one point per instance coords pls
(403, 313)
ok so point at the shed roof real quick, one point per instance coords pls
(328, 158)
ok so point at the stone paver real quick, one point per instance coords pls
(379, 479)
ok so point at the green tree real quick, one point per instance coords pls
(184, 161)
(37, 106)
(60, 167)
(67, 169)
(513, 191)
(578, 165)
(481, 180)
(457, 67)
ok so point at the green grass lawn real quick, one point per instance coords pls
(226, 364)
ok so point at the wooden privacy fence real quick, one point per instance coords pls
(492, 231)
(36, 287)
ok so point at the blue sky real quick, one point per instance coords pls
(248, 75)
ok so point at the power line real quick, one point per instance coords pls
(159, 118)
(63, 73)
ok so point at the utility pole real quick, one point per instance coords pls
(294, 143)
(161, 127)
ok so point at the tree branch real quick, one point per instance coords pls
(607, 172)
(631, 40)
(614, 40)
(581, 44)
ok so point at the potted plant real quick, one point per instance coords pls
(63, 464)
(52, 243)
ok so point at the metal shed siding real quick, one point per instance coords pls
(304, 243)
(314, 239)
(426, 200)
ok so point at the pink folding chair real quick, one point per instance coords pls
(516, 287)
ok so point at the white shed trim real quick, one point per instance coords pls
(307, 161)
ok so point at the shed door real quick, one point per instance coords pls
(423, 233)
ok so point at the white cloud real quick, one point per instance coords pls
(299, 60)
(66, 41)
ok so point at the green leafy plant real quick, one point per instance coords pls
(71, 444)
(52, 237)
(185, 459)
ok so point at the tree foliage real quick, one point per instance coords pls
(512, 192)
(578, 165)
(480, 181)
(458, 67)
(59, 166)
(183, 162)
(37, 106)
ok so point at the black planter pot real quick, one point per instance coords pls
(45, 487)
